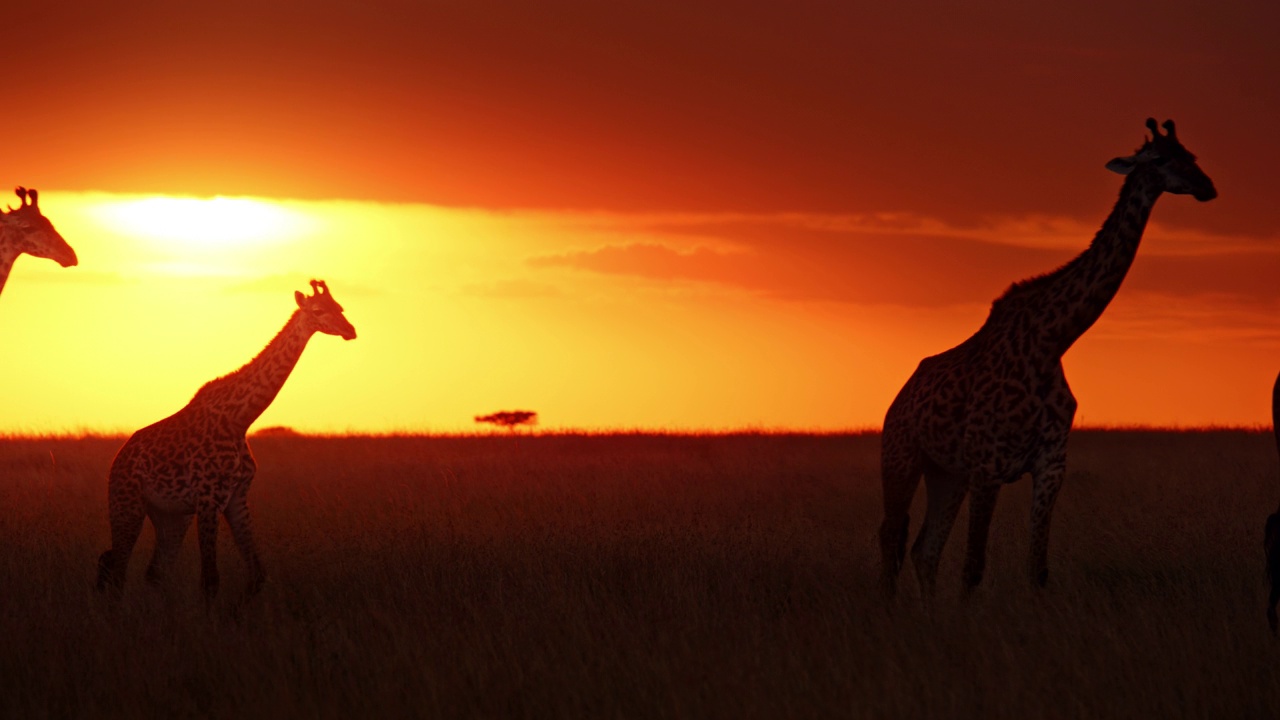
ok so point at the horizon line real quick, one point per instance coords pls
(284, 432)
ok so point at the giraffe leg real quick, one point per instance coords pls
(982, 505)
(207, 529)
(1271, 604)
(1048, 473)
(171, 528)
(945, 493)
(899, 477)
(237, 514)
(1044, 493)
(126, 512)
(1271, 544)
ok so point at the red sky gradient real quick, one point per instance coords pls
(909, 160)
(959, 113)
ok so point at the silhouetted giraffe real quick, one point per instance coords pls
(997, 406)
(1271, 535)
(197, 462)
(25, 230)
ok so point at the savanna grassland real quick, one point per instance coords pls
(645, 576)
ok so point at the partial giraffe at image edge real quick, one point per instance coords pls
(25, 230)
(1271, 531)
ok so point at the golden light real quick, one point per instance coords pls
(203, 222)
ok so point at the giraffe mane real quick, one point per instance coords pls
(1005, 303)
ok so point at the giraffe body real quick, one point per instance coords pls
(998, 406)
(197, 464)
(24, 230)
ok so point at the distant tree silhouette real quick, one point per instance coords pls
(509, 419)
(276, 431)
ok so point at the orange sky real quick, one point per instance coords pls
(621, 215)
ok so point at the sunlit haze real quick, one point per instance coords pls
(594, 320)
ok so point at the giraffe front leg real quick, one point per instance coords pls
(124, 501)
(207, 528)
(1044, 494)
(237, 514)
(982, 505)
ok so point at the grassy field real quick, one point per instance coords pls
(645, 576)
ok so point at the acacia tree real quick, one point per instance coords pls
(509, 419)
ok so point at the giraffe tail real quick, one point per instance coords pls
(105, 573)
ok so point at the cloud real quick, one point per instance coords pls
(902, 259)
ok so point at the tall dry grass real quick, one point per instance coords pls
(645, 576)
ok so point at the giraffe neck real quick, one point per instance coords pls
(1057, 308)
(8, 255)
(246, 393)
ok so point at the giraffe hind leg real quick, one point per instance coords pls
(900, 476)
(125, 508)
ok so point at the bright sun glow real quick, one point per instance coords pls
(208, 222)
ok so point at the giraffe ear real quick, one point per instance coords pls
(299, 297)
(1122, 165)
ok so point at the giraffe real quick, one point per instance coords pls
(197, 461)
(1271, 534)
(998, 406)
(25, 229)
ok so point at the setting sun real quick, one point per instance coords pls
(203, 222)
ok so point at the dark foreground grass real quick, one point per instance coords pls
(645, 576)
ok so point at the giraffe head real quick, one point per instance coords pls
(1174, 164)
(33, 234)
(321, 313)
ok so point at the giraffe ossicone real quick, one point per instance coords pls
(197, 464)
(997, 406)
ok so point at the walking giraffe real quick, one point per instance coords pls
(25, 230)
(1271, 535)
(197, 462)
(997, 406)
